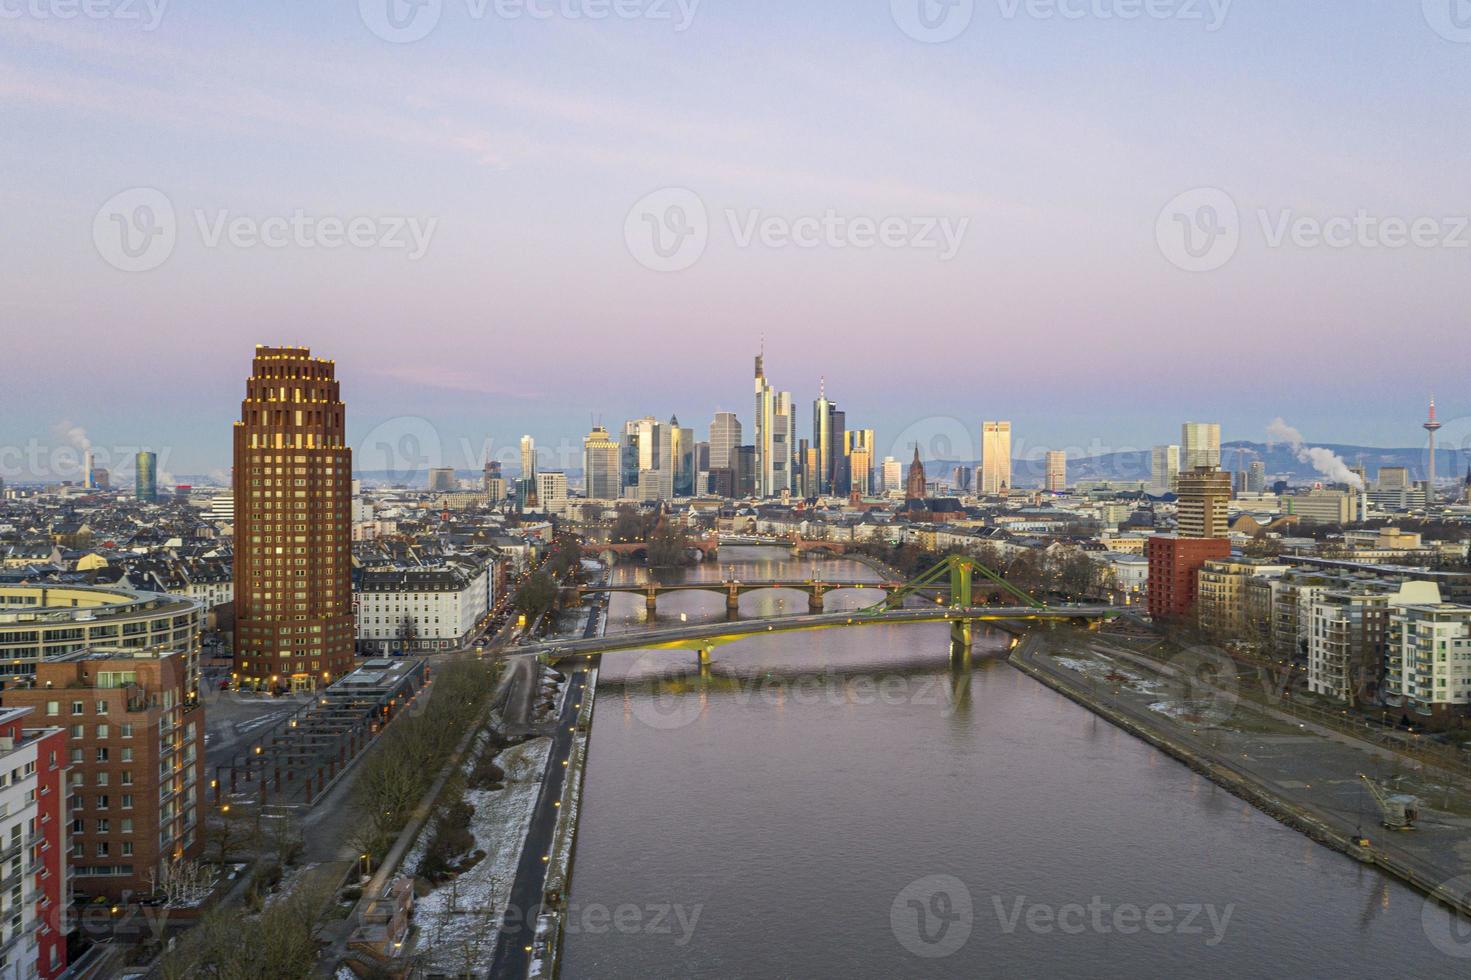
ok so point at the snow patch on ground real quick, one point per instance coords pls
(458, 920)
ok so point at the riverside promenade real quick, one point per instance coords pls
(1304, 775)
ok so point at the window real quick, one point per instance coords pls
(102, 707)
(127, 848)
(53, 708)
(125, 731)
(78, 707)
(101, 731)
(127, 801)
(102, 755)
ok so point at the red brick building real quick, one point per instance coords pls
(294, 624)
(1174, 572)
(134, 741)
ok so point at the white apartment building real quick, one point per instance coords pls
(1427, 666)
(1346, 635)
(551, 492)
(411, 609)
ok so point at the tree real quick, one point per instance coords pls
(669, 545)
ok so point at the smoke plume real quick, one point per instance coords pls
(75, 435)
(1328, 463)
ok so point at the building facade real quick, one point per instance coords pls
(600, 461)
(1204, 503)
(145, 477)
(1200, 445)
(995, 457)
(1428, 663)
(293, 529)
(33, 847)
(1174, 572)
(422, 609)
(135, 747)
(1056, 472)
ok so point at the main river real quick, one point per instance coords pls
(844, 803)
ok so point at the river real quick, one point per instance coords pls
(845, 803)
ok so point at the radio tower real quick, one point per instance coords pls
(1432, 426)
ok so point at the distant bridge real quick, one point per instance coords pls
(733, 589)
(702, 639)
(955, 576)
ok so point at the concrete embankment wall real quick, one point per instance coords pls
(564, 842)
(1234, 782)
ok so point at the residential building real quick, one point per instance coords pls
(1428, 663)
(1256, 477)
(135, 745)
(293, 529)
(995, 457)
(1225, 601)
(33, 845)
(1347, 637)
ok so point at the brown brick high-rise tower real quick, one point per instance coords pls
(293, 525)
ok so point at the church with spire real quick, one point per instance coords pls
(916, 488)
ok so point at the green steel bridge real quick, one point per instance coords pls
(944, 594)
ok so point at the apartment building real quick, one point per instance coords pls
(1227, 604)
(1428, 662)
(134, 741)
(35, 892)
(414, 609)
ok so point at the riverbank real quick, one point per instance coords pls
(1304, 776)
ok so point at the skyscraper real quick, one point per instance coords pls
(681, 458)
(89, 464)
(1200, 445)
(293, 498)
(442, 479)
(1205, 496)
(822, 439)
(1256, 477)
(1056, 472)
(893, 475)
(528, 458)
(1164, 469)
(775, 436)
(858, 448)
(145, 477)
(995, 457)
(600, 465)
(725, 435)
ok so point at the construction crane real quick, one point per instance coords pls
(1399, 812)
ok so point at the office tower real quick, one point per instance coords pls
(961, 478)
(1056, 472)
(858, 448)
(702, 467)
(807, 469)
(822, 439)
(681, 459)
(1200, 445)
(492, 483)
(528, 458)
(1256, 477)
(1164, 469)
(630, 456)
(725, 435)
(600, 460)
(775, 436)
(293, 507)
(995, 457)
(893, 475)
(145, 479)
(551, 492)
(1432, 426)
(744, 458)
(915, 487)
(442, 480)
(136, 750)
(1205, 495)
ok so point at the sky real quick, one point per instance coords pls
(1201, 211)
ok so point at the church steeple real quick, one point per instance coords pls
(916, 487)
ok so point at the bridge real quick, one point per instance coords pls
(608, 553)
(798, 545)
(733, 589)
(954, 578)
